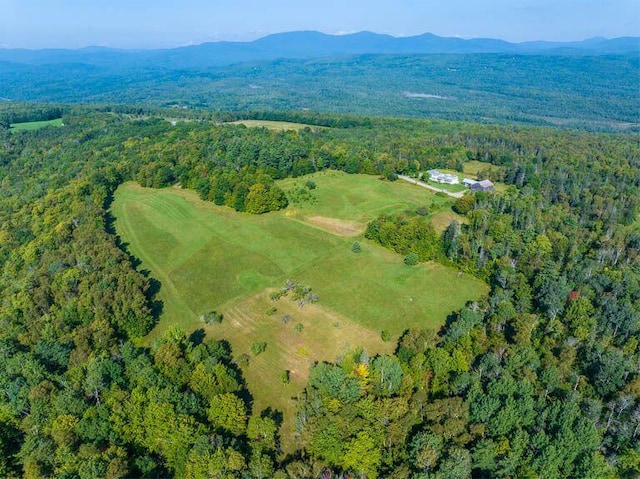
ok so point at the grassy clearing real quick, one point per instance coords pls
(212, 258)
(35, 125)
(275, 125)
(473, 167)
(206, 257)
(336, 226)
(358, 198)
(442, 219)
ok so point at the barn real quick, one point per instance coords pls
(484, 185)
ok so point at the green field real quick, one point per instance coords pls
(212, 258)
(275, 125)
(473, 167)
(359, 198)
(445, 186)
(35, 125)
(443, 218)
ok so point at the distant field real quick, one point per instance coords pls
(35, 125)
(212, 258)
(275, 125)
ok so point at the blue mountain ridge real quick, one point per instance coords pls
(310, 45)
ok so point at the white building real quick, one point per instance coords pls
(435, 175)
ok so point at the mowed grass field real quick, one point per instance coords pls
(212, 258)
(35, 125)
(346, 203)
(359, 198)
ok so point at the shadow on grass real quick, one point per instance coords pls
(197, 337)
(155, 305)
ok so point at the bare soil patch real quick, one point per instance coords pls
(336, 226)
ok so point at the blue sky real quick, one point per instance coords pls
(167, 23)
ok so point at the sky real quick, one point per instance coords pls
(171, 23)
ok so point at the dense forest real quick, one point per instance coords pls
(541, 378)
(596, 92)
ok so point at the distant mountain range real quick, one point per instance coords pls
(308, 45)
(592, 83)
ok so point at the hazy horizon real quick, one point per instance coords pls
(141, 24)
(249, 39)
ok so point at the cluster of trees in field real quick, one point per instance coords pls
(405, 234)
(538, 379)
(245, 190)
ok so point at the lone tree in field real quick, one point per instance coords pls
(258, 348)
(355, 247)
(212, 317)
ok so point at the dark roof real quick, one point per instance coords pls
(484, 185)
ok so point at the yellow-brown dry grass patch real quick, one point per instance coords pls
(324, 336)
(442, 219)
(336, 226)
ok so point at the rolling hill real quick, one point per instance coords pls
(592, 84)
(208, 258)
(307, 45)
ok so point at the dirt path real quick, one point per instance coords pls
(459, 194)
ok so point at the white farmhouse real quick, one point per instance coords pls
(438, 177)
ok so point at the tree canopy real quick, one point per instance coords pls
(538, 379)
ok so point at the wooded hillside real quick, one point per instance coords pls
(538, 379)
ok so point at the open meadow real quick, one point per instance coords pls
(208, 258)
(357, 198)
(36, 125)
